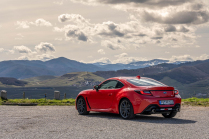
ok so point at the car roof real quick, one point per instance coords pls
(125, 78)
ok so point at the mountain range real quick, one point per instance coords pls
(191, 78)
(22, 69)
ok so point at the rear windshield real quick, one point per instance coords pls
(145, 82)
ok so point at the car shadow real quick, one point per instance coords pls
(144, 118)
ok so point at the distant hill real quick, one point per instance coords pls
(133, 65)
(190, 78)
(21, 69)
(11, 82)
(71, 79)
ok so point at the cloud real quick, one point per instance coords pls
(170, 28)
(76, 18)
(102, 60)
(19, 36)
(42, 22)
(23, 58)
(76, 33)
(176, 17)
(38, 22)
(121, 55)
(202, 57)
(181, 58)
(45, 47)
(22, 24)
(101, 51)
(111, 45)
(58, 2)
(1, 49)
(58, 39)
(108, 29)
(125, 59)
(45, 57)
(189, 58)
(22, 49)
(135, 3)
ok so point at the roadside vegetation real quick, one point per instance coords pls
(40, 102)
(70, 102)
(196, 101)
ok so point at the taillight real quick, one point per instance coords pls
(176, 92)
(148, 93)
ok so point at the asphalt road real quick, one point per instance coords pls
(63, 122)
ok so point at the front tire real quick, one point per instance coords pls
(81, 106)
(170, 115)
(126, 109)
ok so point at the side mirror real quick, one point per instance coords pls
(96, 87)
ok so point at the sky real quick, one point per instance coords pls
(108, 31)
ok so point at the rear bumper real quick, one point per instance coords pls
(143, 103)
(153, 108)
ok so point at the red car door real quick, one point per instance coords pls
(102, 99)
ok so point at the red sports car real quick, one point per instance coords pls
(128, 96)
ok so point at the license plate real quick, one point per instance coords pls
(166, 102)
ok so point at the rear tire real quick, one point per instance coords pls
(126, 109)
(170, 115)
(81, 106)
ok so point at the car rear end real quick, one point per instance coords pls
(151, 96)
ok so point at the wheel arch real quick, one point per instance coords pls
(122, 98)
(86, 101)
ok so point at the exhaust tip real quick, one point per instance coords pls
(153, 110)
(177, 109)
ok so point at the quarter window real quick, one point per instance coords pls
(119, 85)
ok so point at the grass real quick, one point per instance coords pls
(40, 102)
(196, 101)
(71, 102)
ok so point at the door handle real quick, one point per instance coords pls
(110, 94)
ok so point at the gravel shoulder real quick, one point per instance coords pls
(54, 122)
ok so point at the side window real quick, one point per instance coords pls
(119, 85)
(110, 84)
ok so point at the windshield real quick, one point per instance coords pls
(145, 82)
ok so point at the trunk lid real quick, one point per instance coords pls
(162, 91)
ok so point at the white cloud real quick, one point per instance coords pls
(111, 45)
(181, 58)
(121, 55)
(19, 36)
(10, 51)
(45, 57)
(42, 22)
(45, 47)
(38, 22)
(188, 58)
(101, 51)
(58, 2)
(75, 18)
(23, 58)
(125, 59)
(22, 49)
(58, 39)
(1, 49)
(202, 57)
(22, 24)
(102, 60)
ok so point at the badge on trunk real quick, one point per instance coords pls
(164, 92)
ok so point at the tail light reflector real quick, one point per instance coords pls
(148, 93)
(176, 92)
